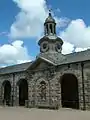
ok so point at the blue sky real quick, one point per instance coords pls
(73, 10)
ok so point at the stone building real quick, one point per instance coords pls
(53, 80)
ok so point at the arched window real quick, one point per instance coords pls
(54, 29)
(51, 28)
(47, 29)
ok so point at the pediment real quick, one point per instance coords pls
(40, 63)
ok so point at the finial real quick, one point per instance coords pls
(50, 12)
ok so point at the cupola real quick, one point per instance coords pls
(50, 25)
(50, 43)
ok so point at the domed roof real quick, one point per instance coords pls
(50, 18)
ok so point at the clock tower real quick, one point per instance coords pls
(50, 43)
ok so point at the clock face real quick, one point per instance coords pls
(44, 46)
(58, 47)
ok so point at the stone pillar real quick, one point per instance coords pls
(2, 94)
(80, 94)
(17, 95)
(87, 104)
(29, 95)
(59, 95)
(55, 92)
(12, 94)
(81, 89)
(13, 91)
(88, 90)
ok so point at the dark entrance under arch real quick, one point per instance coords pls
(69, 91)
(23, 92)
(7, 92)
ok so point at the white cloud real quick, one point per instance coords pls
(13, 53)
(2, 66)
(67, 48)
(77, 34)
(62, 22)
(80, 49)
(29, 21)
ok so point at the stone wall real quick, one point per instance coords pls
(51, 76)
(13, 79)
(87, 84)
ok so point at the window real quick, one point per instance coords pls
(44, 45)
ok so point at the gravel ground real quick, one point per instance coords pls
(18, 113)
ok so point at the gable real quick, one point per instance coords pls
(40, 64)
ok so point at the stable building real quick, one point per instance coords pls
(53, 80)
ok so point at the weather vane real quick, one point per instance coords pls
(50, 11)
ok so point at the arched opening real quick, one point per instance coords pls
(51, 28)
(54, 29)
(7, 92)
(23, 91)
(47, 29)
(69, 91)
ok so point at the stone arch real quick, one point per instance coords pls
(22, 89)
(69, 91)
(6, 91)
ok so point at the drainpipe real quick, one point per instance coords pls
(83, 87)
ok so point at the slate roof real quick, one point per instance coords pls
(53, 58)
(59, 59)
(77, 57)
(50, 19)
(15, 68)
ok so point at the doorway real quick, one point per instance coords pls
(7, 92)
(23, 92)
(69, 91)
